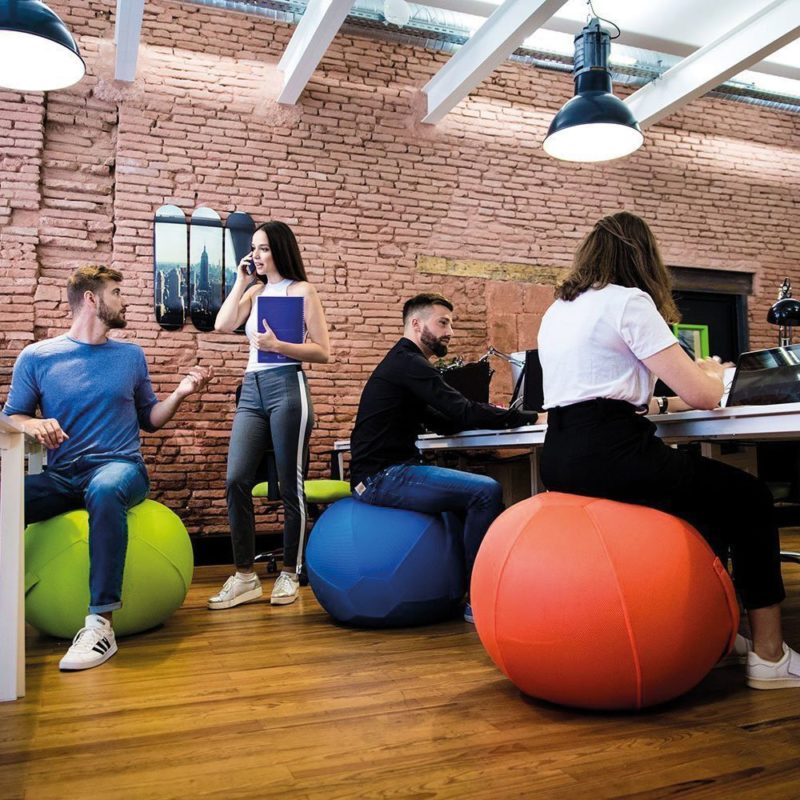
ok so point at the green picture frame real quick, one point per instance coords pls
(694, 337)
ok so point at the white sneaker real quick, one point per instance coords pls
(285, 590)
(782, 674)
(93, 644)
(741, 647)
(236, 591)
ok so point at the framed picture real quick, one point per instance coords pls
(693, 338)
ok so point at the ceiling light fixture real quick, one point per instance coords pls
(396, 12)
(37, 52)
(594, 125)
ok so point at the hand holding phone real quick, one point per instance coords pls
(247, 265)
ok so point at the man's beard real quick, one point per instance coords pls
(111, 320)
(433, 343)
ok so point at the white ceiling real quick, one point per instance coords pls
(754, 42)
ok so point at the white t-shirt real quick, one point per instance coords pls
(279, 289)
(593, 346)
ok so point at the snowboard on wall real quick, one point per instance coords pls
(239, 229)
(170, 267)
(205, 268)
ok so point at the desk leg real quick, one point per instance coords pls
(336, 464)
(12, 565)
(35, 458)
(536, 485)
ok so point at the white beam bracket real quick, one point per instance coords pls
(488, 47)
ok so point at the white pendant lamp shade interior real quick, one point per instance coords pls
(594, 125)
(37, 52)
(593, 141)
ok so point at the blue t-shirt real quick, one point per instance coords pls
(100, 394)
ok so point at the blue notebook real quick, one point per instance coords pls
(284, 315)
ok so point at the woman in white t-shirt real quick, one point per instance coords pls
(274, 409)
(601, 345)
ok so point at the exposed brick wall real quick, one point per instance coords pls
(366, 187)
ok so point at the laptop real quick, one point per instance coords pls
(766, 377)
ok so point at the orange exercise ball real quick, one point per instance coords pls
(597, 604)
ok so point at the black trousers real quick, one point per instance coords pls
(274, 411)
(602, 448)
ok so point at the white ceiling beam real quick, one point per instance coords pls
(478, 8)
(127, 33)
(654, 39)
(312, 37)
(650, 40)
(738, 49)
(488, 47)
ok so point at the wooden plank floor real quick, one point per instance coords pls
(262, 702)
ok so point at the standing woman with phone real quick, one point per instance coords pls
(274, 409)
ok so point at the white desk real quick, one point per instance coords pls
(12, 560)
(754, 423)
(744, 423)
(750, 423)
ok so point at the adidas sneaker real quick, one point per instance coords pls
(93, 644)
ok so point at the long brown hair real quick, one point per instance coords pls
(621, 249)
(285, 251)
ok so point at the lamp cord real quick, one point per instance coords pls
(603, 19)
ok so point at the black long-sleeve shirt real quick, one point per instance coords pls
(405, 395)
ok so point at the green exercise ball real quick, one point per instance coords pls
(158, 571)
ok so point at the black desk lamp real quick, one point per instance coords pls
(785, 314)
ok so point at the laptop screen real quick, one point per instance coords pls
(764, 377)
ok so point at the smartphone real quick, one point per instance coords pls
(251, 265)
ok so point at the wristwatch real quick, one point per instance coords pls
(663, 404)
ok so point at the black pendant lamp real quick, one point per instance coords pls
(594, 125)
(37, 52)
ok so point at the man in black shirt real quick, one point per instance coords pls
(403, 396)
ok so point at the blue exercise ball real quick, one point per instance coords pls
(378, 567)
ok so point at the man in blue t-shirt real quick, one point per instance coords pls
(94, 394)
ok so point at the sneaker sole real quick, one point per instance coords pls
(247, 597)
(282, 601)
(774, 683)
(78, 666)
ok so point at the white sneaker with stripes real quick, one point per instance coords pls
(93, 644)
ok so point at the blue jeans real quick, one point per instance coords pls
(476, 499)
(106, 489)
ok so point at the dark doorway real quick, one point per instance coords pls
(725, 315)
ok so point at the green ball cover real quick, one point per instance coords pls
(158, 570)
